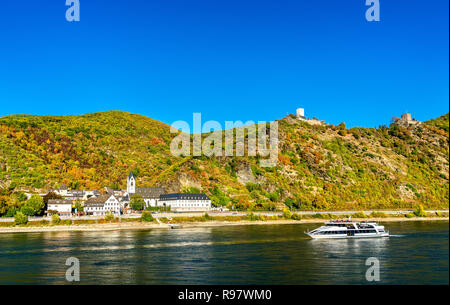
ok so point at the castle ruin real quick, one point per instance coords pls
(405, 120)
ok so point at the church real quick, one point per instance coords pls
(156, 197)
(149, 194)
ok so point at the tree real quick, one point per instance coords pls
(20, 219)
(270, 206)
(27, 210)
(420, 212)
(4, 206)
(78, 205)
(192, 190)
(12, 211)
(287, 214)
(147, 217)
(55, 219)
(109, 216)
(137, 202)
(21, 197)
(36, 202)
(290, 202)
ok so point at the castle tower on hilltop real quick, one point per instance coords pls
(407, 117)
(405, 120)
(301, 114)
(301, 117)
(131, 183)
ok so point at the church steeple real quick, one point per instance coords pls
(131, 183)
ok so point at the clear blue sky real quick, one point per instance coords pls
(228, 59)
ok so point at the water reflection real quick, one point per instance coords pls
(229, 255)
(350, 247)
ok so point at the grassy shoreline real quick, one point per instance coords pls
(191, 223)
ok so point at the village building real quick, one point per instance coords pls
(59, 206)
(74, 194)
(89, 194)
(62, 191)
(116, 192)
(150, 195)
(185, 202)
(98, 206)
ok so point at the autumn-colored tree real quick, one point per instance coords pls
(36, 203)
(137, 202)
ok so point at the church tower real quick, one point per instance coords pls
(131, 184)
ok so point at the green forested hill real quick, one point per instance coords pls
(320, 167)
(441, 122)
(87, 151)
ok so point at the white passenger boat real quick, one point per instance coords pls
(348, 229)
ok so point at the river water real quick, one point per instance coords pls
(416, 253)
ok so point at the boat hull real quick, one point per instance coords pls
(345, 236)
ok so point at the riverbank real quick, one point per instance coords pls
(182, 225)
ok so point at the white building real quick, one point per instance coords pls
(62, 207)
(74, 194)
(149, 194)
(98, 206)
(301, 114)
(185, 202)
(89, 194)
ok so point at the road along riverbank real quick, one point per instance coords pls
(137, 225)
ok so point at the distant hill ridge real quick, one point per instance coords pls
(320, 167)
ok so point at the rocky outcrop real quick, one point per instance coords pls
(181, 182)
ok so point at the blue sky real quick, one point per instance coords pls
(228, 59)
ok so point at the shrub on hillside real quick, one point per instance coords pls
(270, 206)
(360, 215)
(378, 215)
(296, 216)
(420, 212)
(206, 217)
(287, 214)
(255, 217)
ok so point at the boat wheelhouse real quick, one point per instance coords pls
(348, 229)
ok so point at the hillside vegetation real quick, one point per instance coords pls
(320, 167)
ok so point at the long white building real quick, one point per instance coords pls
(185, 202)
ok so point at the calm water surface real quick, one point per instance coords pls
(417, 253)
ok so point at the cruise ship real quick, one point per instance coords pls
(348, 229)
